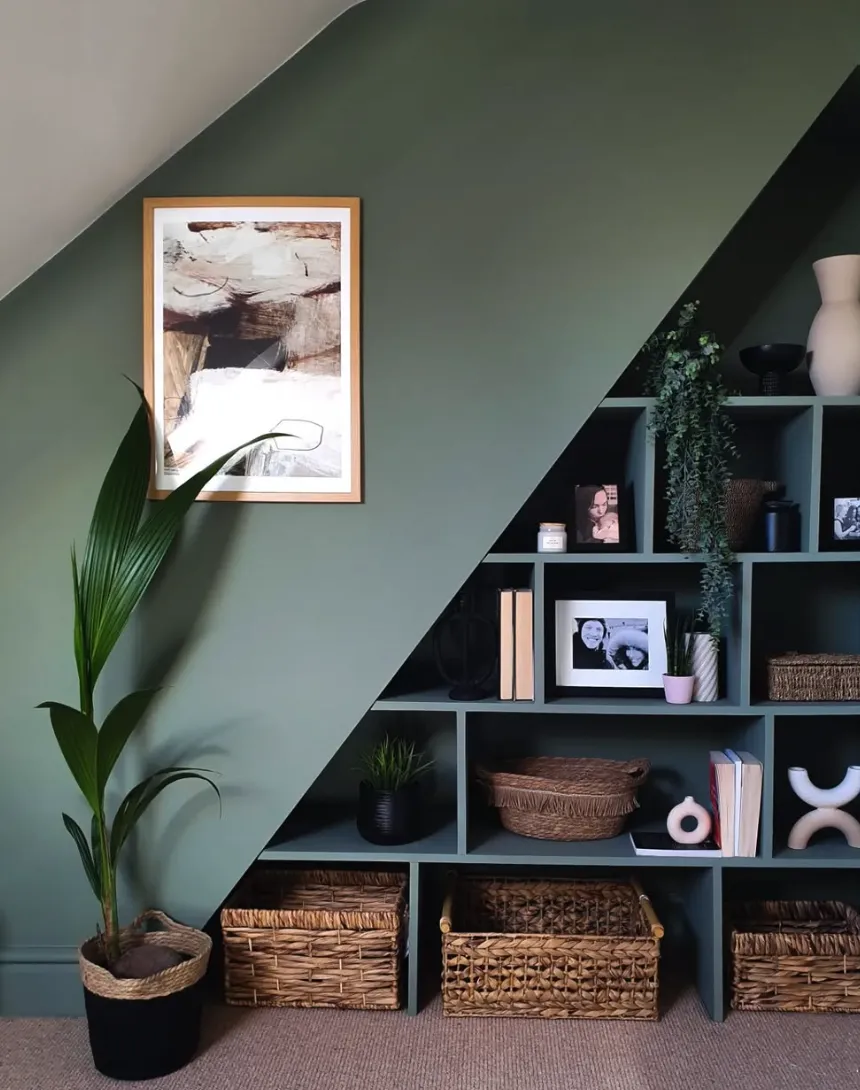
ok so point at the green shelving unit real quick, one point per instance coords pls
(807, 600)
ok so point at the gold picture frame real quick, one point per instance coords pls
(252, 325)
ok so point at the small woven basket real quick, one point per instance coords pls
(565, 798)
(813, 677)
(549, 949)
(796, 956)
(319, 938)
(186, 940)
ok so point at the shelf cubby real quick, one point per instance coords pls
(677, 747)
(774, 440)
(805, 608)
(677, 583)
(611, 448)
(839, 475)
(420, 673)
(825, 747)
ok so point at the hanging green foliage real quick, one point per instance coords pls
(691, 420)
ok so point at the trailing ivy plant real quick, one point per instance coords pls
(123, 553)
(691, 419)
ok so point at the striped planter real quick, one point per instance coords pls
(706, 661)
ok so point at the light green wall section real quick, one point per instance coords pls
(540, 182)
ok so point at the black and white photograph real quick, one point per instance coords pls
(610, 643)
(597, 518)
(846, 519)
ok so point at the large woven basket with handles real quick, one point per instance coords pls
(549, 949)
(564, 798)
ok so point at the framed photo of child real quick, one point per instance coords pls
(597, 516)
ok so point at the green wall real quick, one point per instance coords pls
(540, 182)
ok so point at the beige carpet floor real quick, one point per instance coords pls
(338, 1050)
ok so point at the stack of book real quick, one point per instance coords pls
(516, 645)
(736, 785)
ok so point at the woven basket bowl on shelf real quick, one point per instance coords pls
(795, 956)
(322, 938)
(564, 798)
(813, 677)
(744, 496)
(535, 948)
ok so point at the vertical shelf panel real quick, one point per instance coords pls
(640, 479)
(812, 541)
(413, 998)
(744, 658)
(462, 785)
(704, 907)
(538, 585)
(766, 845)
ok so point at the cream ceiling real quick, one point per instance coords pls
(94, 94)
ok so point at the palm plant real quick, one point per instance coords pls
(122, 554)
(393, 763)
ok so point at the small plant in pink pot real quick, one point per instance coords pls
(678, 679)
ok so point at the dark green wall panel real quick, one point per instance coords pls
(540, 182)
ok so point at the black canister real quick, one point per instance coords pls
(781, 526)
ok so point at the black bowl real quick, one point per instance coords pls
(770, 362)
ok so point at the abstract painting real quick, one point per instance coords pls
(251, 326)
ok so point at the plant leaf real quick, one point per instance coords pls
(77, 738)
(115, 521)
(80, 840)
(139, 798)
(116, 730)
(145, 553)
(81, 654)
(96, 848)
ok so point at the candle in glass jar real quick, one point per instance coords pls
(552, 537)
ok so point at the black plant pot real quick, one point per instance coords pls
(389, 817)
(144, 1038)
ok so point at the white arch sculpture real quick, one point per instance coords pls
(826, 801)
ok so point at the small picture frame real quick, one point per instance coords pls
(846, 519)
(610, 643)
(597, 519)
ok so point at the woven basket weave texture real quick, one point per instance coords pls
(813, 677)
(186, 940)
(564, 798)
(549, 949)
(315, 939)
(796, 956)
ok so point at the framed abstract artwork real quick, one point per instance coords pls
(252, 325)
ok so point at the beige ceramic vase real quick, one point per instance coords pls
(834, 338)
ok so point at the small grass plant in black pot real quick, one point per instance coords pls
(389, 795)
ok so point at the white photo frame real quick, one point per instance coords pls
(610, 643)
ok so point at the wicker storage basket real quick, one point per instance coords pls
(796, 956)
(315, 939)
(813, 677)
(564, 798)
(549, 949)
